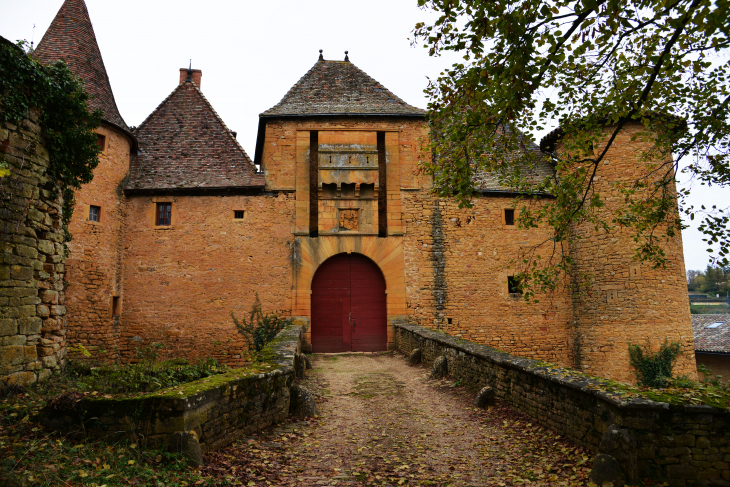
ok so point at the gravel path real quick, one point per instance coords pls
(383, 422)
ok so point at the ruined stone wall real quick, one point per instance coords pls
(182, 281)
(457, 262)
(94, 261)
(626, 301)
(32, 311)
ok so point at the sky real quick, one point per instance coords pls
(251, 52)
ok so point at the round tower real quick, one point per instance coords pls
(617, 299)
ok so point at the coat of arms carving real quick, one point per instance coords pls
(348, 219)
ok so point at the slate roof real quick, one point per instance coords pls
(71, 38)
(711, 339)
(184, 144)
(340, 88)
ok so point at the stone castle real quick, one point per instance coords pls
(331, 223)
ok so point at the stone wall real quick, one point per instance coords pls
(220, 409)
(626, 300)
(182, 281)
(682, 445)
(32, 311)
(457, 262)
(94, 267)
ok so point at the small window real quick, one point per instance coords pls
(94, 213)
(238, 214)
(101, 140)
(329, 190)
(509, 216)
(115, 306)
(348, 190)
(367, 190)
(716, 324)
(164, 214)
(513, 285)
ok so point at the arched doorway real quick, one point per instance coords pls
(348, 306)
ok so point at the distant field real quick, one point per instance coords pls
(712, 309)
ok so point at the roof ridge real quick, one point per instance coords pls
(157, 108)
(71, 38)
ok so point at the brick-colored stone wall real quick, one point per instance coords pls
(626, 301)
(95, 259)
(682, 445)
(719, 364)
(457, 262)
(182, 281)
(32, 311)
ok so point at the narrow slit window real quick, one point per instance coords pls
(513, 285)
(94, 213)
(164, 214)
(509, 216)
(101, 140)
(238, 214)
(115, 306)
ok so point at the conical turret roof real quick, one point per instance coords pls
(340, 88)
(71, 38)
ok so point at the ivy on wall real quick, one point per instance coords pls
(67, 125)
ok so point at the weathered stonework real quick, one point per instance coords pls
(219, 409)
(32, 298)
(682, 445)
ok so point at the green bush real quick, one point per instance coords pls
(653, 369)
(259, 329)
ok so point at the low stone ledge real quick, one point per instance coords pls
(577, 406)
(220, 408)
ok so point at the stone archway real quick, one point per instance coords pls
(348, 306)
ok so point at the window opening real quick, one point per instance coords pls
(509, 216)
(101, 140)
(367, 190)
(716, 324)
(94, 213)
(513, 285)
(164, 214)
(329, 190)
(115, 306)
(238, 214)
(449, 321)
(348, 190)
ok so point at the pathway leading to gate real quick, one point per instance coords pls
(383, 422)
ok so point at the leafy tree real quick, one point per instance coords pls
(67, 125)
(592, 67)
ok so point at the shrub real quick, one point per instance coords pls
(259, 329)
(653, 369)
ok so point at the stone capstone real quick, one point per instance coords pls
(440, 368)
(415, 357)
(301, 402)
(186, 442)
(485, 397)
(300, 364)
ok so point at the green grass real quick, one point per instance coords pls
(698, 309)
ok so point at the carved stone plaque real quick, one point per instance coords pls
(348, 219)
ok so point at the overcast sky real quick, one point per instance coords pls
(252, 52)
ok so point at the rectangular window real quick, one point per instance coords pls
(101, 140)
(164, 214)
(513, 285)
(238, 214)
(115, 306)
(94, 213)
(509, 216)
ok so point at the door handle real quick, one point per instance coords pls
(353, 323)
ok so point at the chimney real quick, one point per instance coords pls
(197, 74)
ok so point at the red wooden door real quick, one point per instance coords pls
(348, 306)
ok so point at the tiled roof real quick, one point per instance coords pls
(71, 38)
(340, 88)
(184, 144)
(489, 182)
(711, 339)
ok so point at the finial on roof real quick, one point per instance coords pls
(347, 59)
(190, 72)
(321, 58)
